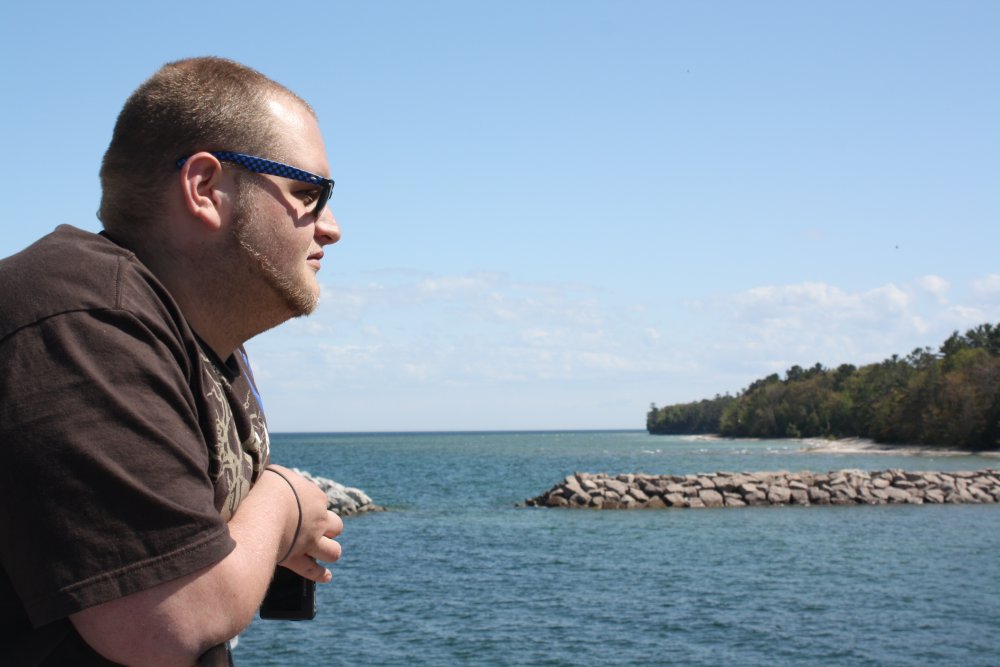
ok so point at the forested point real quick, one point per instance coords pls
(950, 398)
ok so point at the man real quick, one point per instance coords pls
(141, 518)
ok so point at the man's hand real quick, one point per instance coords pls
(315, 539)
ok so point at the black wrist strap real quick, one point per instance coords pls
(298, 504)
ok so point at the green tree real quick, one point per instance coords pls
(950, 397)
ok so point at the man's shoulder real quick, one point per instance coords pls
(66, 271)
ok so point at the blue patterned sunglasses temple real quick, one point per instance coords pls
(260, 165)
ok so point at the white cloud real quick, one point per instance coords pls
(792, 305)
(987, 286)
(458, 286)
(606, 361)
(774, 327)
(936, 285)
(350, 359)
(418, 371)
(471, 329)
(966, 316)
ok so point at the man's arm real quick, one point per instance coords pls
(175, 622)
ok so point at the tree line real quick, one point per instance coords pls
(949, 397)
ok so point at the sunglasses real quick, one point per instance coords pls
(260, 165)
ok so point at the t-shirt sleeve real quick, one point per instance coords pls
(104, 483)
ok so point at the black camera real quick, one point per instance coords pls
(290, 597)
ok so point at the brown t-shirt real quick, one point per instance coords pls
(125, 444)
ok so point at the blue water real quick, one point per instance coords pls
(457, 574)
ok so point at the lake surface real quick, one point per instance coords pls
(456, 573)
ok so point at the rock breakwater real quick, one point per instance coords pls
(728, 489)
(344, 500)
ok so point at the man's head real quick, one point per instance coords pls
(198, 104)
(236, 239)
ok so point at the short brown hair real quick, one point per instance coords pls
(187, 106)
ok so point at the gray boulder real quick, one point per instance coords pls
(710, 498)
(343, 500)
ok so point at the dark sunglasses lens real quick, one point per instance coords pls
(324, 197)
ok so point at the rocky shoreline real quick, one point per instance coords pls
(728, 489)
(344, 500)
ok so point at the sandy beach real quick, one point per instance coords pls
(857, 446)
(866, 446)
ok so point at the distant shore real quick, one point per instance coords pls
(858, 446)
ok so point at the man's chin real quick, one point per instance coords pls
(302, 302)
(307, 310)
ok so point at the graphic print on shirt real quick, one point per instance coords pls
(239, 458)
(258, 444)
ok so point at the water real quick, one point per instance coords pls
(457, 574)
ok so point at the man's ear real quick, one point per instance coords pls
(203, 190)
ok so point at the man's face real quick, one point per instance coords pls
(274, 225)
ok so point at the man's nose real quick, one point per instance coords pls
(327, 229)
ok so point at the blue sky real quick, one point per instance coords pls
(555, 213)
